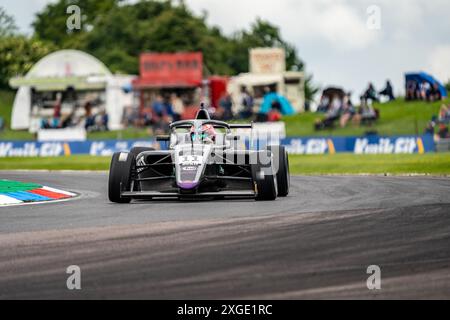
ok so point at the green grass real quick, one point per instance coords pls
(6, 102)
(127, 134)
(438, 164)
(397, 118)
(307, 165)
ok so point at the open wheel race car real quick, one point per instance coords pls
(203, 161)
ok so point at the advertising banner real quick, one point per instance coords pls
(307, 146)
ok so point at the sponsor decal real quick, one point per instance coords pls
(385, 146)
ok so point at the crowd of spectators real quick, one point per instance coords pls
(89, 119)
(338, 107)
(422, 91)
(157, 113)
(439, 124)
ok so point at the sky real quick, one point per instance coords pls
(345, 43)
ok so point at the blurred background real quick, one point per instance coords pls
(329, 77)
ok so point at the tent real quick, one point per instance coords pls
(64, 69)
(269, 99)
(332, 92)
(419, 77)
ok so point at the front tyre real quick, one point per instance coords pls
(264, 176)
(281, 164)
(120, 176)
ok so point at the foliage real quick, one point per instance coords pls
(18, 54)
(7, 24)
(116, 32)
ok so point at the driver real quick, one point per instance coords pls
(207, 134)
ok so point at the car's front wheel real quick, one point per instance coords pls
(264, 177)
(281, 164)
(120, 176)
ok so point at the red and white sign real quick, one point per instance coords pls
(170, 70)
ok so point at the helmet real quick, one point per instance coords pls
(207, 134)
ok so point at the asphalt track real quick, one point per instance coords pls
(315, 244)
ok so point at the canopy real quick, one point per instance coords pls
(331, 92)
(422, 76)
(269, 99)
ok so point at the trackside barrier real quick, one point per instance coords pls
(301, 145)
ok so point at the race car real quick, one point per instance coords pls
(204, 159)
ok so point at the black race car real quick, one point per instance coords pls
(205, 159)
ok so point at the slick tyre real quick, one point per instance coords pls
(264, 177)
(281, 165)
(120, 176)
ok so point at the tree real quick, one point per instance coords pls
(7, 24)
(51, 23)
(116, 32)
(262, 34)
(18, 54)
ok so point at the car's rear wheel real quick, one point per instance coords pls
(281, 164)
(120, 176)
(264, 177)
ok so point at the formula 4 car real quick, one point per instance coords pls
(203, 160)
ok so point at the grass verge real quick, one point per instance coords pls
(436, 164)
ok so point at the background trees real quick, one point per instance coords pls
(117, 31)
(18, 53)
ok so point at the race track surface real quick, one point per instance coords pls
(317, 243)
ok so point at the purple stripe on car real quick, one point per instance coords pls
(187, 185)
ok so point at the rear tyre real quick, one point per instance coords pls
(281, 164)
(264, 177)
(120, 176)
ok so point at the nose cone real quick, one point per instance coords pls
(187, 185)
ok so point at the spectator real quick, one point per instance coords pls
(178, 106)
(158, 108)
(55, 121)
(435, 93)
(366, 114)
(226, 105)
(370, 93)
(331, 116)
(430, 128)
(275, 114)
(146, 116)
(443, 132)
(412, 90)
(161, 115)
(388, 91)
(247, 102)
(348, 111)
(425, 90)
(324, 104)
(444, 114)
(130, 117)
(90, 118)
